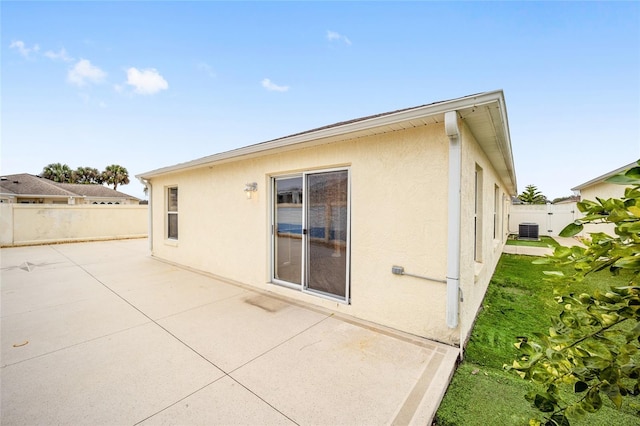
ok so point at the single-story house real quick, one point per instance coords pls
(398, 218)
(599, 188)
(25, 188)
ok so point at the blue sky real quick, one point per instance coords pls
(151, 84)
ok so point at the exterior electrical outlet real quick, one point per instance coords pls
(397, 270)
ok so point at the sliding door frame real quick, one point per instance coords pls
(303, 287)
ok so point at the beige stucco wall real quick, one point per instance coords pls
(23, 224)
(398, 217)
(6, 224)
(475, 275)
(602, 190)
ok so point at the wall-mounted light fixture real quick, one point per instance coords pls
(249, 188)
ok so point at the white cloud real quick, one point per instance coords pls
(334, 36)
(23, 49)
(272, 87)
(146, 82)
(61, 55)
(83, 73)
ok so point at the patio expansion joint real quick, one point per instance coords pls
(228, 374)
(225, 373)
(74, 345)
(278, 345)
(198, 307)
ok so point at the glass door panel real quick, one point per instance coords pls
(288, 230)
(327, 231)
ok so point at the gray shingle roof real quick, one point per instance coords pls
(26, 184)
(92, 190)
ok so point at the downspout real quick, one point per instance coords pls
(453, 224)
(149, 187)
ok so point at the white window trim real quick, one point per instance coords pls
(168, 213)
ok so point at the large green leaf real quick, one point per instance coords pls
(580, 386)
(633, 173)
(613, 392)
(629, 262)
(544, 403)
(594, 399)
(623, 180)
(571, 229)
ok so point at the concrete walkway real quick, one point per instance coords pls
(102, 334)
(541, 251)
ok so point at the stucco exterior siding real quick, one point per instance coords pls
(403, 206)
(475, 275)
(604, 191)
(398, 217)
(26, 224)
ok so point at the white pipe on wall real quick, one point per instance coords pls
(147, 184)
(453, 233)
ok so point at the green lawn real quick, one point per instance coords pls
(518, 302)
(544, 242)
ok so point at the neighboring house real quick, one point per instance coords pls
(29, 189)
(398, 218)
(598, 188)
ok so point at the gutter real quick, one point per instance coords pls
(147, 184)
(453, 222)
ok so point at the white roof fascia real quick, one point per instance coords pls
(604, 176)
(385, 120)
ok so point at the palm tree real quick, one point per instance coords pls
(531, 195)
(115, 175)
(87, 175)
(57, 172)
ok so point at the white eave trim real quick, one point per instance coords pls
(604, 176)
(345, 129)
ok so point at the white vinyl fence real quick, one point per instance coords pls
(551, 218)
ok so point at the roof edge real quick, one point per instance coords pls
(604, 176)
(336, 130)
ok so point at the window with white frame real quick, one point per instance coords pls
(172, 213)
(496, 212)
(477, 215)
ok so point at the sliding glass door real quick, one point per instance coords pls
(311, 232)
(288, 230)
(326, 241)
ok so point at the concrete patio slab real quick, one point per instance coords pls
(119, 379)
(224, 402)
(160, 297)
(24, 291)
(57, 327)
(101, 334)
(339, 369)
(240, 329)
